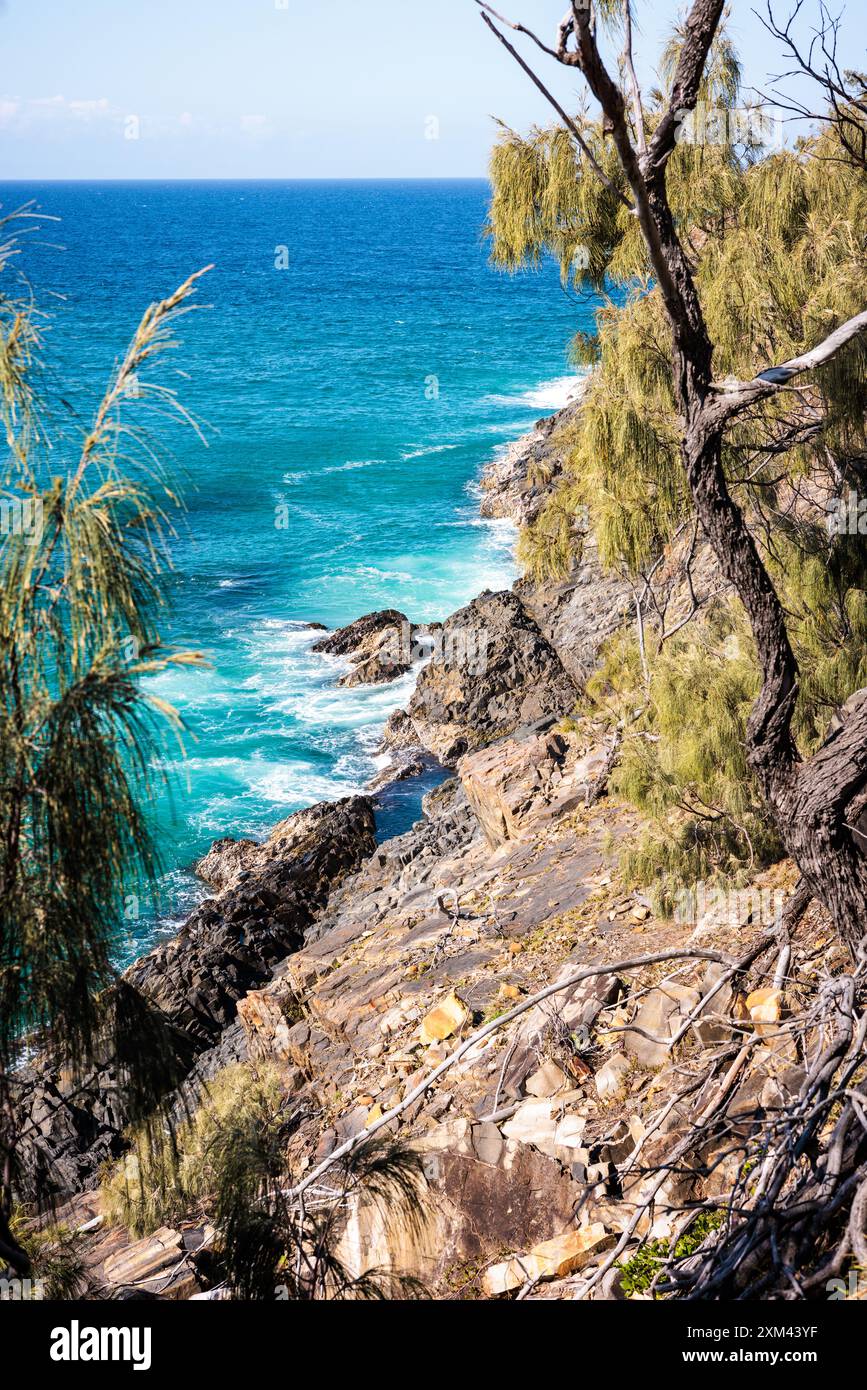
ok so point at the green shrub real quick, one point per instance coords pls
(166, 1176)
(638, 1273)
(55, 1255)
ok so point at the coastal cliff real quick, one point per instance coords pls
(394, 988)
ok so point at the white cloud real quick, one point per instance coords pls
(255, 125)
(90, 108)
(39, 110)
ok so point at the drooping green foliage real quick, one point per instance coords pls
(683, 761)
(57, 1266)
(84, 527)
(776, 239)
(230, 1162)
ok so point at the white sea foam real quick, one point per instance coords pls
(373, 572)
(418, 453)
(285, 784)
(294, 479)
(548, 395)
(352, 464)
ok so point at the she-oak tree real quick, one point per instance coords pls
(815, 800)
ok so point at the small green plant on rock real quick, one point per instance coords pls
(638, 1273)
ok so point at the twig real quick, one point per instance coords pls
(590, 972)
(566, 119)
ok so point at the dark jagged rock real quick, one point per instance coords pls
(231, 943)
(271, 895)
(495, 672)
(70, 1125)
(345, 641)
(379, 645)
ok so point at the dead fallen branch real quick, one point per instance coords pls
(344, 1150)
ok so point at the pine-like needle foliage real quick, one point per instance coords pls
(229, 1162)
(84, 528)
(777, 241)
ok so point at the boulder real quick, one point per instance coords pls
(481, 1195)
(611, 1077)
(144, 1259)
(767, 1010)
(348, 640)
(569, 1137)
(765, 1007)
(535, 1123)
(514, 781)
(229, 861)
(715, 1022)
(266, 1017)
(494, 673)
(381, 646)
(447, 1018)
(547, 1081)
(552, 1259)
(661, 1013)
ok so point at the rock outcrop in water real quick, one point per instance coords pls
(381, 646)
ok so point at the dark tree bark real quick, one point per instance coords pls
(12, 1255)
(816, 802)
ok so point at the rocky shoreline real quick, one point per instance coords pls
(356, 968)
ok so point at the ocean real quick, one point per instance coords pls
(356, 363)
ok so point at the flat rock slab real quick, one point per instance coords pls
(661, 1014)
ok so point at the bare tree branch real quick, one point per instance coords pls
(566, 119)
(590, 972)
(734, 397)
(521, 29)
(637, 105)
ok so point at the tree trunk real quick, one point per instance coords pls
(815, 803)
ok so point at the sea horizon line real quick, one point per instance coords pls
(159, 178)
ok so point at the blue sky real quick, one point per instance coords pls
(280, 88)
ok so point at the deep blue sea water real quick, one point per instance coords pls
(362, 388)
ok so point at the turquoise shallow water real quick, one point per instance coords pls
(361, 390)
